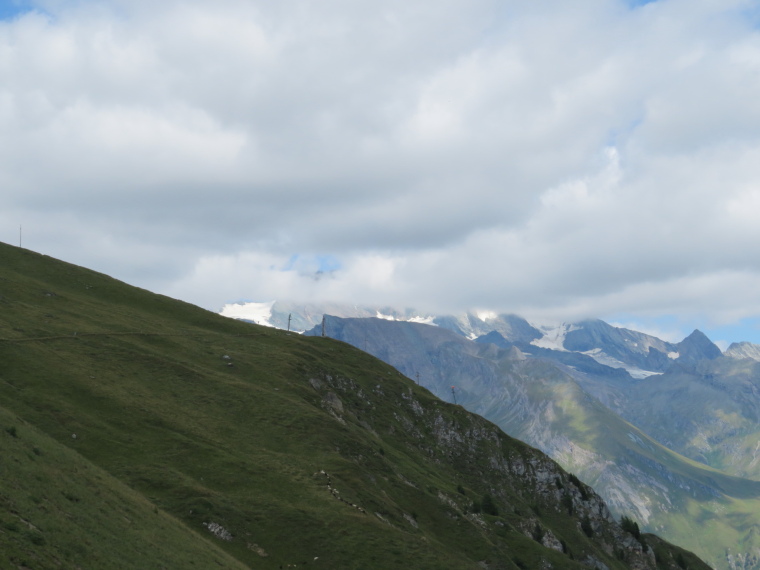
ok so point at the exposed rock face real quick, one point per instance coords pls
(697, 347)
(510, 327)
(332, 400)
(519, 478)
(629, 347)
(743, 350)
(218, 531)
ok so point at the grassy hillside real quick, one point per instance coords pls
(133, 422)
(59, 510)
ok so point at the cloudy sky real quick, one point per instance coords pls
(557, 159)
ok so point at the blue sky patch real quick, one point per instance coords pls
(675, 329)
(328, 263)
(312, 263)
(10, 9)
(745, 330)
(290, 263)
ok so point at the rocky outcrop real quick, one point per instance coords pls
(531, 491)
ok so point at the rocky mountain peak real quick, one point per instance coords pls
(494, 337)
(743, 350)
(697, 347)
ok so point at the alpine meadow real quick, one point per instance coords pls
(143, 432)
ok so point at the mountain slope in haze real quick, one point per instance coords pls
(637, 353)
(741, 350)
(547, 403)
(279, 450)
(643, 351)
(599, 339)
(300, 317)
(701, 404)
(709, 412)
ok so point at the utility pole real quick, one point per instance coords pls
(290, 315)
(418, 378)
(454, 394)
(323, 325)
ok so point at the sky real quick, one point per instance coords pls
(557, 159)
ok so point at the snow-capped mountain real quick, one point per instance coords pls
(744, 350)
(303, 316)
(639, 354)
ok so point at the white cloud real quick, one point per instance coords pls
(562, 158)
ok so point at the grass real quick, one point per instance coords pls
(164, 428)
(58, 510)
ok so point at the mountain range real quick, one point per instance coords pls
(666, 432)
(137, 431)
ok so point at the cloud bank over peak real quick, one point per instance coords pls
(565, 159)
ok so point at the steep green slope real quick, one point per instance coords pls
(280, 449)
(58, 510)
(540, 402)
